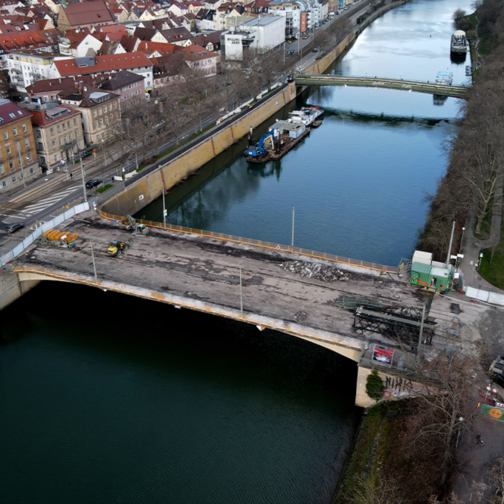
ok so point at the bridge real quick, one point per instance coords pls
(379, 82)
(225, 276)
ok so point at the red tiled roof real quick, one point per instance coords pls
(29, 40)
(40, 118)
(103, 64)
(93, 12)
(54, 86)
(148, 47)
(10, 112)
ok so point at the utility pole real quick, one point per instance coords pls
(420, 336)
(164, 210)
(94, 264)
(292, 244)
(83, 179)
(241, 293)
(450, 246)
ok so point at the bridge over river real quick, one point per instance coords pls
(225, 278)
(379, 82)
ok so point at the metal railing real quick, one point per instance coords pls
(257, 243)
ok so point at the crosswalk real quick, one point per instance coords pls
(41, 205)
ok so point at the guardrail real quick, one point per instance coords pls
(21, 247)
(257, 243)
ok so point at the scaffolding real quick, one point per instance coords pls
(404, 329)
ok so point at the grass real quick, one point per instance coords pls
(494, 272)
(360, 456)
(103, 189)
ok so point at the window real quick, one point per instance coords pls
(75, 121)
(55, 157)
(100, 111)
(96, 124)
(23, 126)
(94, 113)
(59, 130)
(110, 107)
(68, 124)
(26, 141)
(5, 135)
(64, 126)
(53, 144)
(38, 134)
(4, 183)
(40, 146)
(28, 156)
(14, 130)
(59, 139)
(65, 139)
(8, 148)
(13, 179)
(101, 122)
(11, 166)
(52, 131)
(2, 168)
(106, 120)
(70, 137)
(18, 146)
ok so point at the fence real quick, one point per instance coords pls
(21, 247)
(257, 243)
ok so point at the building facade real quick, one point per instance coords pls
(18, 159)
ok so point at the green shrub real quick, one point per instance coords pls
(375, 386)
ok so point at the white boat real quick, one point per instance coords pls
(458, 42)
(445, 78)
(306, 116)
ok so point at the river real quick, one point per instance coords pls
(108, 398)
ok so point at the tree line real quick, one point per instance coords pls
(476, 153)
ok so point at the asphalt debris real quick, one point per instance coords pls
(316, 271)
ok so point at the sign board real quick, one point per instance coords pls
(304, 17)
(382, 354)
(492, 412)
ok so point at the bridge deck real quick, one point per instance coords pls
(400, 84)
(207, 270)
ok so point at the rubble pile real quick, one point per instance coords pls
(317, 271)
(410, 312)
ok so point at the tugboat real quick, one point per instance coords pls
(307, 116)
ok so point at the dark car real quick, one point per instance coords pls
(92, 183)
(290, 52)
(315, 49)
(12, 228)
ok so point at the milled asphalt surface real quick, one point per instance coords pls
(208, 270)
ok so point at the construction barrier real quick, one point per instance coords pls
(256, 243)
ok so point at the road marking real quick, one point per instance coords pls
(43, 204)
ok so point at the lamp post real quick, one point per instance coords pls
(83, 180)
(22, 169)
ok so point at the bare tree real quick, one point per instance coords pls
(458, 15)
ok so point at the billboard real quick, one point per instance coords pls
(304, 18)
(382, 354)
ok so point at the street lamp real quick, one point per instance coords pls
(83, 181)
(461, 239)
(479, 260)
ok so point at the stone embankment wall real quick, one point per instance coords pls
(138, 195)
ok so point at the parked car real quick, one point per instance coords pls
(290, 52)
(315, 49)
(92, 183)
(12, 228)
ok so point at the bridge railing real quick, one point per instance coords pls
(257, 243)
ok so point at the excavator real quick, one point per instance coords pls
(138, 229)
(265, 142)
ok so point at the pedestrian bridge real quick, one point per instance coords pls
(379, 82)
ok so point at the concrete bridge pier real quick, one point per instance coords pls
(12, 288)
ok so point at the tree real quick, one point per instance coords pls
(377, 489)
(447, 405)
(458, 15)
(374, 386)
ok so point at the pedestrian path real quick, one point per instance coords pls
(41, 205)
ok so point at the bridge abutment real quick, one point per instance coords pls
(12, 288)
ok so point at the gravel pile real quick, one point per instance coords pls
(317, 271)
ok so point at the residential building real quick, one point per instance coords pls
(18, 161)
(27, 67)
(80, 15)
(49, 89)
(58, 133)
(101, 112)
(290, 9)
(130, 86)
(136, 62)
